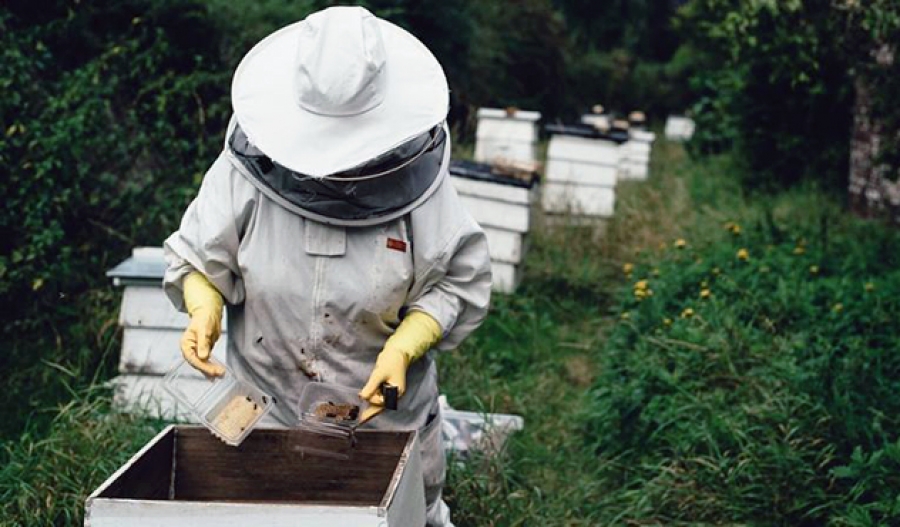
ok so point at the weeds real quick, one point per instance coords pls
(47, 478)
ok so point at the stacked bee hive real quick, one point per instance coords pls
(151, 335)
(506, 135)
(581, 174)
(503, 206)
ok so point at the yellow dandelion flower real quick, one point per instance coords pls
(640, 294)
(687, 313)
(837, 308)
(641, 285)
(628, 268)
(667, 321)
(733, 228)
(814, 269)
(705, 293)
(680, 243)
(716, 271)
(743, 255)
(798, 250)
(870, 287)
(625, 316)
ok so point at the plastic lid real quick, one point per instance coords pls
(229, 407)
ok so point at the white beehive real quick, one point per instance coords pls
(581, 174)
(151, 335)
(634, 157)
(599, 121)
(510, 135)
(679, 128)
(185, 476)
(503, 206)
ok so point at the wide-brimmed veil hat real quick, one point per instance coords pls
(337, 89)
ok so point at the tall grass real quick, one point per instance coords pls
(47, 477)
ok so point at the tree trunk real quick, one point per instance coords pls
(871, 191)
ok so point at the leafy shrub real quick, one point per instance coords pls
(111, 113)
(778, 85)
(753, 378)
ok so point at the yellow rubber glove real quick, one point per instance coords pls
(418, 332)
(204, 303)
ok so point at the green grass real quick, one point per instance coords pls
(47, 478)
(768, 405)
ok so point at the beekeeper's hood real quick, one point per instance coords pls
(341, 115)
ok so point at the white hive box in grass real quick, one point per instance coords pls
(506, 134)
(581, 173)
(151, 333)
(634, 156)
(679, 128)
(187, 477)
(503, 206)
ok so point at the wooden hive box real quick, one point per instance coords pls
(504, 207)
(507, 135)
(679, 128)
(151, 332)
(185, 476)
(581, 174)
(634, 158)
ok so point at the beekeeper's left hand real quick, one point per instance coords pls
(415, 335)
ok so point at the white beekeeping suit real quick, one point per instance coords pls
(329, 215)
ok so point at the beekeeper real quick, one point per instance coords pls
(330, 230)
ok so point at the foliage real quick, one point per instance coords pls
(46, 479)
(778, 85)
(104, 139)
(765, 405)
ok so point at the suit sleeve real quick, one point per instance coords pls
(209, 235)
(453, 279)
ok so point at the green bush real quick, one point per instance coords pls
(754, 377)
(111, 113)
(778, 82)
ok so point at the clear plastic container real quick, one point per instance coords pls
(330, 409)
(229, 407)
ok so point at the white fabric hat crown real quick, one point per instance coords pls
(340, 63)
(337, 89)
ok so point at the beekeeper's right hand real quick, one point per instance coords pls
(204, 304)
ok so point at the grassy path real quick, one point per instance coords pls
(538, 353)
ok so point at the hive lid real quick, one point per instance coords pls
(588, 131)
(145, 266)
(505, 113)
(484, 172)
